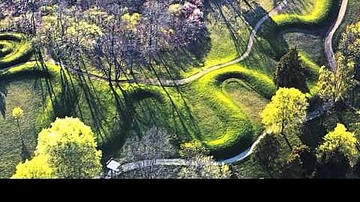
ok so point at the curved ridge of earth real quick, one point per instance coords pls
(312, 115)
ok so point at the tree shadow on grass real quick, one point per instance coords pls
(3, 94)
(181, 113)
(182, 59)
(269, 32)
(184, 115)
(144, 107)
(25, 153)
(217, 8)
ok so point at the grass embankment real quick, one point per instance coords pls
(14, 49)
(205, 110)
(319, 17)
(225, 127)
(20, 86)
(216, 119)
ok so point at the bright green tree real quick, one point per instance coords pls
(17, 114)
(337, 153)
(350, 47)
(69, 148)
(340, 139)
(38, 167)
(286, 112)
(200, 165)
(289, 72)
(335, 87)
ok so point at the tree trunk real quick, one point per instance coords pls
(287, 141)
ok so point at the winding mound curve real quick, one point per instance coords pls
(318, 18)
(14, 49)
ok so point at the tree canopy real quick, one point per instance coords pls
(201, 165)
(65, 150)
(350, 46)
(285, 113)
(289, 72)
(340, 139)
(267, 152)
(335, 86)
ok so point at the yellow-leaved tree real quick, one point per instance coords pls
(337, 154)
(349, 45)
(65, 150)
(37, 167)
(334, 86)
(286, 112)
(340, 139)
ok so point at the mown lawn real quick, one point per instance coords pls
(26, 93)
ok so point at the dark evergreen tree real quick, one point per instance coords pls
(289, 72)
(266, 154)
(333, 165)
(300, 164)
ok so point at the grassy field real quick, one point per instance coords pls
(250, 102)
(311, 44)
(23, 92)
(221, 109)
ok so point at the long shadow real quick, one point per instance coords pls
(230, 22)
(8, 78)
(140, 108)
(181, 59)
(123, 123)
(173, 103)
(3, 94)
(24, 153)
(188, 116)
(268, 32)
(93, 101)
(275, 2)
(193, 125)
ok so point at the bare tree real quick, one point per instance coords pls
(154, 144)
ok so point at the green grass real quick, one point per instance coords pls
(312, 45)
(27, 94)
(15, 49)
(221, 109)
(303, 7)
(215, 119)
(250, 169)
(267, 4)
(233, 126)
(319, 16)
(250, 102)
(312, 72)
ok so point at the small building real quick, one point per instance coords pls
(113, 168)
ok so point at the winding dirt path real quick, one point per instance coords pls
(329, 52)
